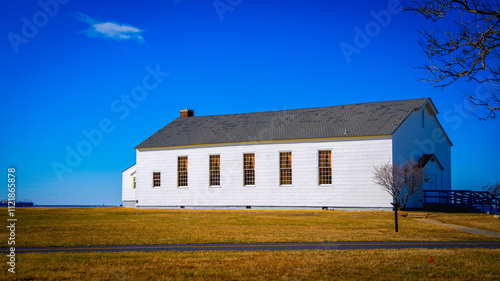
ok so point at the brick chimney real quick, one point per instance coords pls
(187, 113)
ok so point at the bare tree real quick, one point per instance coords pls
(494, 189)
(469, 51)
(400, 181)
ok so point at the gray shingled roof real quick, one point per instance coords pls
(364, 119)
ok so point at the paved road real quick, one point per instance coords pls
(266, 246)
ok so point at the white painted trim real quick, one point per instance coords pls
(153, 179)
(254, 152)
(220, 171)
(316, 140)
(177, 170)
(317, 165)
(279, 166)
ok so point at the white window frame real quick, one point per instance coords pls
(317, 166)
(153, 178)
(210, 171)
(291, 168)
(187, 172)
(254, 170)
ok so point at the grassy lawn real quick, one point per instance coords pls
(107, 226)
(409, 264)
(482, 221)
(121, 226)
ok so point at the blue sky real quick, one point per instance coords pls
(95, 78)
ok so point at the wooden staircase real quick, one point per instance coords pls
(461, 201)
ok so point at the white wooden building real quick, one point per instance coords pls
(292, 159)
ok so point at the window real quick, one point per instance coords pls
(182, 171)
(133, 185)
(325, 167)
(285, 168)
(156, 179)
(214, 170)
(249, 169)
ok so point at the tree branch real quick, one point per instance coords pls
(469, 53)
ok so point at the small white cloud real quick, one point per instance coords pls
(110, 29)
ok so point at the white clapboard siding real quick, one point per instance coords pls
(435, 183)
(352, 167)
(412, 140)
(128, 191)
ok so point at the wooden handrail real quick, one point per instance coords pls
(462, 198)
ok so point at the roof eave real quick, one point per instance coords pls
(429, 102)
(128, 168)
(408, 115)
(263, 142)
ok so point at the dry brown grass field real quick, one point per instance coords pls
(481, 221)
(409, 264)
(120, 226)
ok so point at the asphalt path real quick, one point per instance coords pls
(265, 246)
